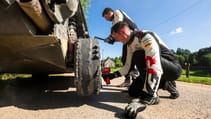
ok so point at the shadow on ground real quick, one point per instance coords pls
(50, 93)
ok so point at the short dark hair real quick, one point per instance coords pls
(119, 25)
(106, 10)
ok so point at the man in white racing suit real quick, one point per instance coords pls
(116, 16)
(158, 67)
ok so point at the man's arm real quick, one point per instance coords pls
(153, 63)
(125, 69)
(129, 21)
(118, 16)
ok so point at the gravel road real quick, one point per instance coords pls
(29, 100)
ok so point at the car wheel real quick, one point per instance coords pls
(87, 67)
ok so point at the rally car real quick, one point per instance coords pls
(42, 37)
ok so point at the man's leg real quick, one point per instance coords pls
(135, 89)
(170, 86)
(172, 71)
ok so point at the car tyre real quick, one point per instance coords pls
(87, 67)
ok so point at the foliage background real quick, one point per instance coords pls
(200, 60)
(85, 5)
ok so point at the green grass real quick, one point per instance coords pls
(197, 76)
(8, 76)
(113, 69)
(196, 79)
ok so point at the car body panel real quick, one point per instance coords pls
(31, 54)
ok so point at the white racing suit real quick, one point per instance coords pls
(154, 61)
(120, 15)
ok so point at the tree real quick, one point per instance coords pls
(203, 57)
(181, 51)
(183, 56)
(172, 51)
(85, 5)
(181, 59)
(193, 59)
(118, 61)
(206, 60)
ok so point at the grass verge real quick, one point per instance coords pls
(197, 76)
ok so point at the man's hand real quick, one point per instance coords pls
(111, 75)
(109, 40)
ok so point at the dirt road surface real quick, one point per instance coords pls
(28, 99)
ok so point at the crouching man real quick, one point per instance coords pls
(158, 67)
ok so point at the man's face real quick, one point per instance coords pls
(117, 36)
(122, 35)
(108, 16)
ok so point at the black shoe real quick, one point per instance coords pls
(150, 100)
(133, 108)
(170, 86)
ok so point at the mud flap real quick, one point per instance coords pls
(87, 67)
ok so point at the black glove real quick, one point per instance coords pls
(111, 75)
(132, 109)
(109, 40)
